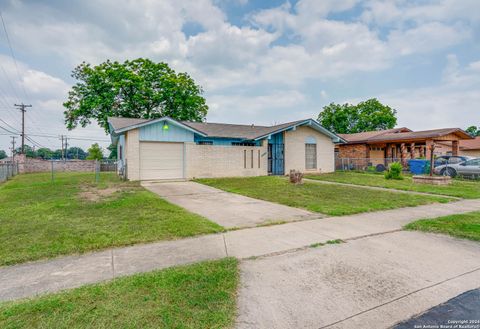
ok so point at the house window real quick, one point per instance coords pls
(205, 143)
(310, 156)
(120, 151)
(242, 144)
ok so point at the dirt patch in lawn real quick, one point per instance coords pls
(93, 194)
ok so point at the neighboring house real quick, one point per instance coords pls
(399, 144)
(165, 148)
(470, 147)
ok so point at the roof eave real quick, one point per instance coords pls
(310, 122)
(143, 124)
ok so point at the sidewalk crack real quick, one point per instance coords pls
(225, 244)
(113, 264)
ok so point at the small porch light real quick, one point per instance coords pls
(165, 125)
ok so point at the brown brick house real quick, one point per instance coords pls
(399, 144)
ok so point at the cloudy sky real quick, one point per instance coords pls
(259, 61)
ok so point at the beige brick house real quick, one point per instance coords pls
(165, 148)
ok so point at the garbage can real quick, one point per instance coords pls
(417, 166)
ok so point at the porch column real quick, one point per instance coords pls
(388, 153)
(455, 147)
(412, 150)
(430, 149)
(422, 151)
(403, 154)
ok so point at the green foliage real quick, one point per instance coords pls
(49, 219)
(44, 153)
(371, 169)
(473, 131)
(76, 153)
(201, 295)
(3, 154)
(365, 116)
(458, 188)
(330, 199)
(394, 171)
(139, 88)
(95, 152)
(466, 226)
(29, 151)
(113, 152)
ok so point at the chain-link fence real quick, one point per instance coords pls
(366, 164)
(8, 170)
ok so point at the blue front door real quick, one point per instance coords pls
(276, 159)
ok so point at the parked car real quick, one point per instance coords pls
(469, 168)
(450, 159)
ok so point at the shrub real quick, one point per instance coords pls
(394, 171)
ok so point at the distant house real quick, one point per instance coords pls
(165, 148)
(400, 144)
(470, 147)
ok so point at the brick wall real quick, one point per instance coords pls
(29, 165)
(204, 161)
(353, 151)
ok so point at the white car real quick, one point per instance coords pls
(469, 168)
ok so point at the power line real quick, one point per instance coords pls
(13, 55)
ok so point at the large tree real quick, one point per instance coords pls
(134, 89)
(95, 152)
(75, 152)
(365, 116)
(3, 154)
(473, 131)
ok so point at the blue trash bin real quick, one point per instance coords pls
(417, 166)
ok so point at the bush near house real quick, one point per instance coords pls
(394, 171)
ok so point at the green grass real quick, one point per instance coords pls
(332, 200)
(458, 188)
(41, 219)
(194, 296)
(321, 244)
(466, 226)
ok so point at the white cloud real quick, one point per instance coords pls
(278, 64)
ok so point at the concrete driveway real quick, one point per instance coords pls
(372, 282)
(227, 209)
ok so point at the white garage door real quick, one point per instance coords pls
(161, 160)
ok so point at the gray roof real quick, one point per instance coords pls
(226, 130)
(120, 123)
(219, 130)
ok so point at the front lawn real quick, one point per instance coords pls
(458, 188)
(332, 200)
(73, 214)
(465, 226)
(194, 296)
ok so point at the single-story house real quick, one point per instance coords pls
(399, 144)
(470, 147)
(165, 148)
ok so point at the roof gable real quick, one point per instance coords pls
(219, 130)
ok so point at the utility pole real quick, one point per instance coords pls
(13, 148)
(62, 145)
(22, 107)
(66, 148)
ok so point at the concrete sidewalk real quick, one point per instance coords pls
(373, 282)
(68, 272)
